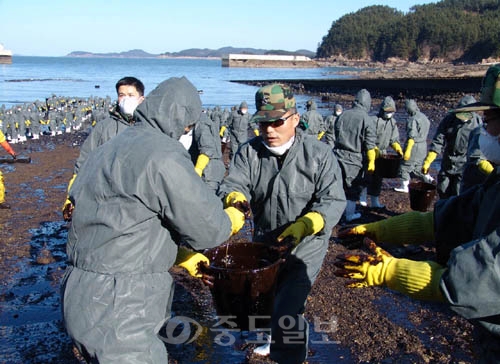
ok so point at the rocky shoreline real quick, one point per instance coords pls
(423, 82)
(371, 325)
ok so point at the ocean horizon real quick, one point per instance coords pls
(31, 78)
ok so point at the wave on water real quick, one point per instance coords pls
(44, 79)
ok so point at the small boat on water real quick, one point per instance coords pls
(5, 55)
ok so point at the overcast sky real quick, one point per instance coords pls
(58, 27)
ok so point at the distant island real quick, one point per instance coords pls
(191, 53)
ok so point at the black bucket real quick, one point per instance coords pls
(421, 195)
(387, 166)
(244, 282)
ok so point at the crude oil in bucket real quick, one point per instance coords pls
(244, 282)
(387, 166)
(421, 195)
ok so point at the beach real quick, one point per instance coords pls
(371, 324)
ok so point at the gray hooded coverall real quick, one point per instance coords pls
(238, 128)
(103, 131)
(452, 138)
(354, 136)
(387, 134)
(281, 189)
(136, 195)
(313, 119)
(470, 225)
(206, 140)
(417, 128)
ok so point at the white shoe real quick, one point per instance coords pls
(58, 132)
(362, 197)
(36, 136)
(53, 133)
(404, 187)
(13, 141)
(375, 203)
(428, 178)
(264, 350)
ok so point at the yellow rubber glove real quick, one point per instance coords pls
(237, 218)
(413, 227)
(377, 152)
(418, 280)
(233, 198)
(397, 148)
(201, 163)
(222, 130)
(189, 260)
(428, 160)
(67, 208)
(320, 135)
(485, 166)
(409, 146)
(309, 224)
(371, 155)
(256, 132)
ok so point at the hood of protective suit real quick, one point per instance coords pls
(311, 105)
(411, 107)
(171, 107)
(388, 105)
(363, 99)
(466, 100)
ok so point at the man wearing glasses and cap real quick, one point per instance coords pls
(293, 185)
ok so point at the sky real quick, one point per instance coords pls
(58, 27)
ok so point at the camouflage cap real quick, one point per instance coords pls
(490, 92)
(272, 102)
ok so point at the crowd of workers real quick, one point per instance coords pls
(136, 203)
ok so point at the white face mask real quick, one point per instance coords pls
(282, 149)
(244, 111)
(187, 139)
(388, 115)
(337, 113)
(490, 146)
(128, 105)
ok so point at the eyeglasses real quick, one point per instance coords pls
(276, 123)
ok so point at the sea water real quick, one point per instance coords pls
(35, 78)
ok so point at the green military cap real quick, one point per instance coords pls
(272, 102)
(490, 92)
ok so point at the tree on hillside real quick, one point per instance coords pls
(465, 30)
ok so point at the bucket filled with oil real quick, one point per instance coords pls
(244, 277)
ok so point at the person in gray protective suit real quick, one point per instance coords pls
(206, 152)
(452, 138)
(355, 138)
(330, 125)
(417, 128)
(466, 230)
(130, 93)
(477, 168)
(135, 197)
(238, 127)
(387, 136)
(294, 187)
(312, 121)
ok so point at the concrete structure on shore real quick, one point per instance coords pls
(268, 60)
(5, 55)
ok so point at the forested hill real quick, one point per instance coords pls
(450, 30)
